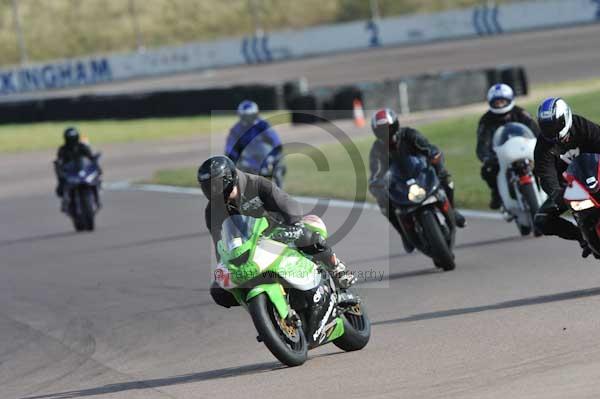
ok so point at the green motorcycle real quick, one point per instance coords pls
(294, 302)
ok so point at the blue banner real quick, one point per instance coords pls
(55, 76)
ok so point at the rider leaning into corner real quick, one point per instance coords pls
(502, 110)
(392, 143)
(250, 127)
(564, 137)
(233, 192)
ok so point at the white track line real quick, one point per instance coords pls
(127, 186)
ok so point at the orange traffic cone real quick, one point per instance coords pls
(359, 113)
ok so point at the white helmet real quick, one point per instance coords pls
(248, 112)
(504, 92)
(555, 119)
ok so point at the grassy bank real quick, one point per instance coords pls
(337, 177)
(38, 136)
(66, 28)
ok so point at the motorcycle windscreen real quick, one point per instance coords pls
(255, 156)
(510, 130)
(236, 231)
(585, 169)
(407, 172)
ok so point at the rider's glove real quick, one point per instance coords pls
(290, 233)
(436, 158)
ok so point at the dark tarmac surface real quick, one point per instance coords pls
(124, 312)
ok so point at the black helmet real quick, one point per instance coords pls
(217, 176)
(384, 124)
(71, 136)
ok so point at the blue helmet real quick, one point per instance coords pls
(248, 112)
(555, 119)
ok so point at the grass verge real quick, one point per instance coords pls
(45, 135)
(337, 177)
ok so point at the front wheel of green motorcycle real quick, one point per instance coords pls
(285, 340)
(357, 329)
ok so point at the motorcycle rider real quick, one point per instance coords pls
(502, 110)
(394, 142)
(231, 191)
(250, 127)
(564, 136)
(72, 150)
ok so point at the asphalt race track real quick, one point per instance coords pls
(124, 312)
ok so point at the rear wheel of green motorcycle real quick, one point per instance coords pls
(357, 329)
(286, 342)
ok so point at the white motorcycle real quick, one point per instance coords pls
(521, 194)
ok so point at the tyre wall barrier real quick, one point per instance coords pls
(415, 93)
(140, 105)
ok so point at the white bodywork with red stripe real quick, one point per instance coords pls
(513, 150)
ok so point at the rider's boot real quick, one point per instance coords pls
(496, 201)
(585, 249)
(342, 276)
(460, 219)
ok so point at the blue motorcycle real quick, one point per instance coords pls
(259, 158)
(422, 209)
(81, 191)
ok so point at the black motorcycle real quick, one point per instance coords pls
(423, 210)
(81, 191)
(583, 196)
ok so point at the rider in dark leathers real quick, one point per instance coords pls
(231, 191)
(72, 150)
(502, 110)
(395, 142)
(564, 136)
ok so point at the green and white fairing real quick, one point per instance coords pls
(252, 263)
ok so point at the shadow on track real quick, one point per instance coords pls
(180, 379)
(466, 245)
(153, 241)
(536, 300)
(43, 237)
(163, 382)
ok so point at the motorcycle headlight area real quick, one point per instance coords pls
(416, 193)
(581, 205)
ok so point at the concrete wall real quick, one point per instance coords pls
(283, 45)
